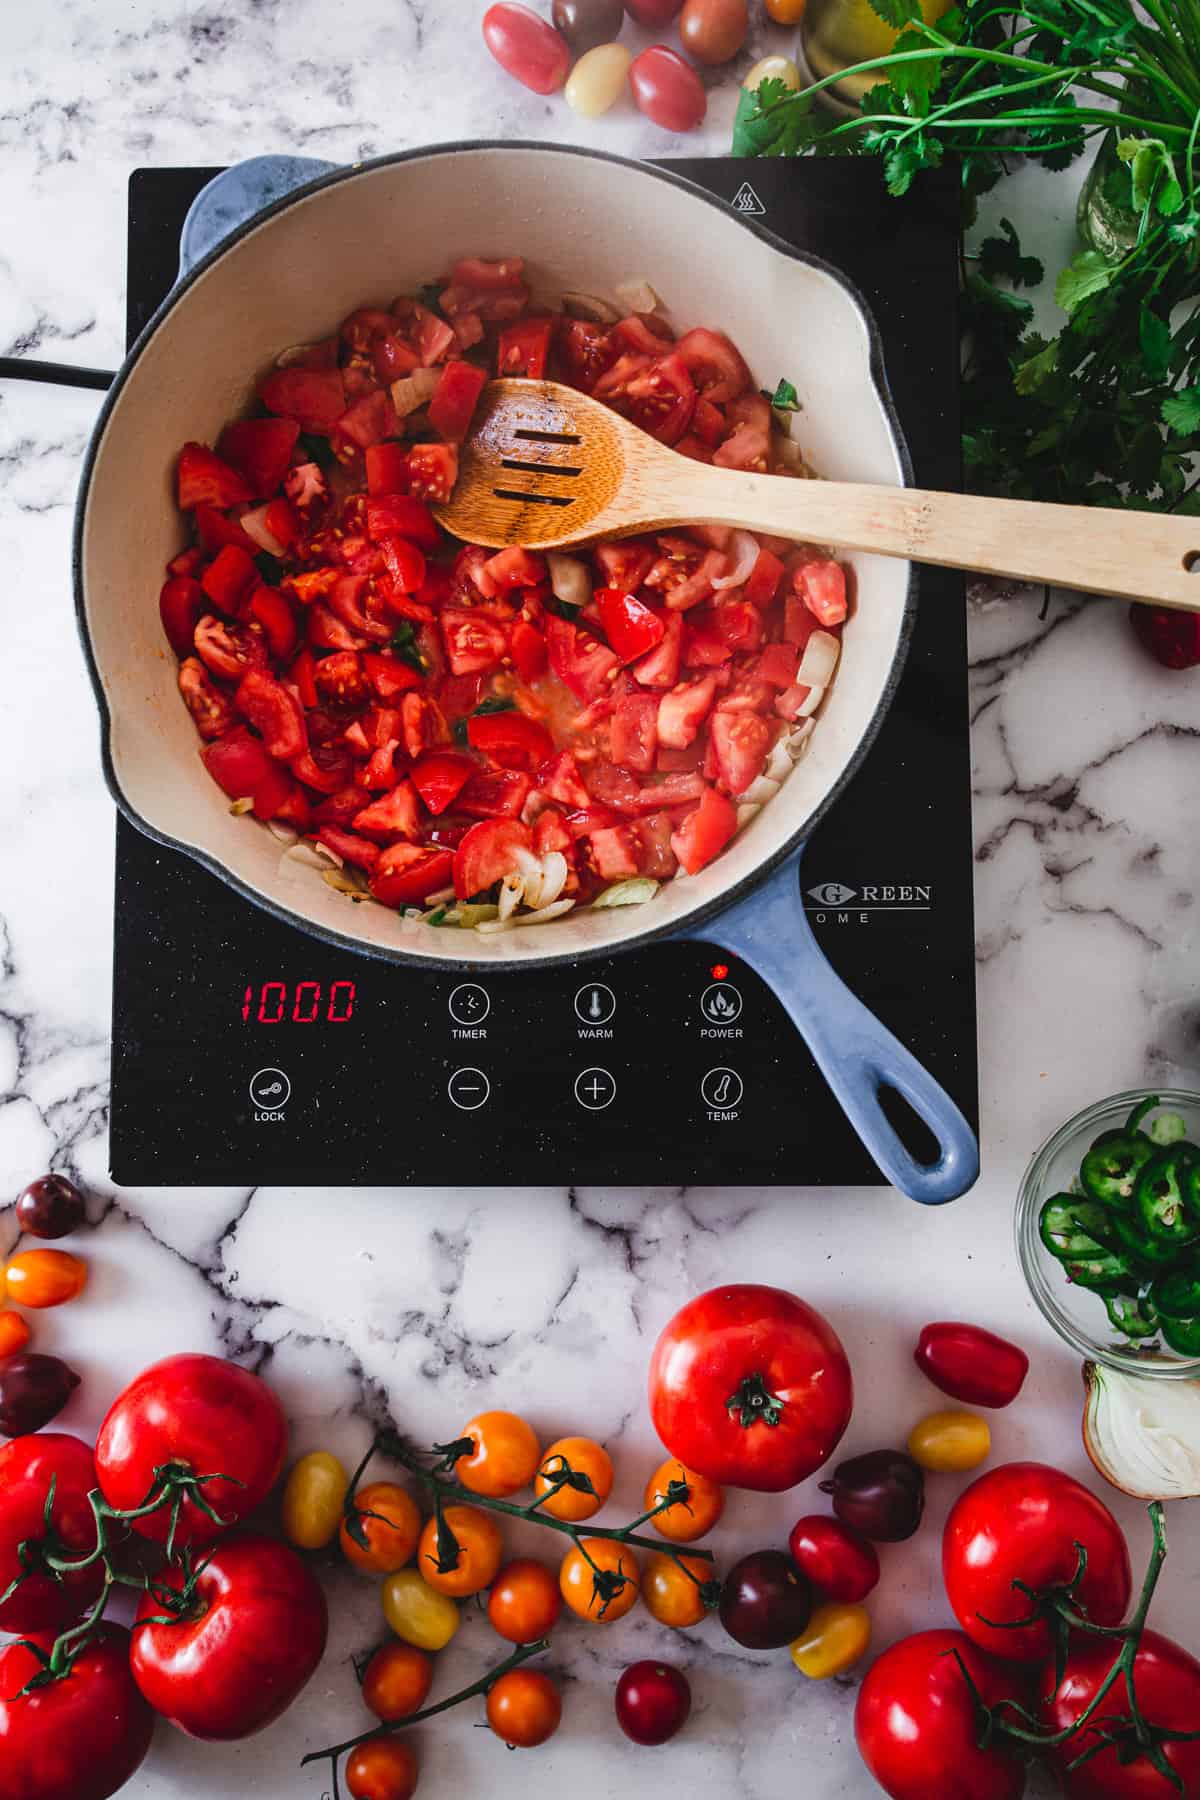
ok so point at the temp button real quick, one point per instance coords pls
(722, 1090)
(468, 1089)
(595, 1089)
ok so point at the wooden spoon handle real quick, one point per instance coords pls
(1099, 550)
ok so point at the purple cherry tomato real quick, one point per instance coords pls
(33, 1390)
(667, 89)
(653, 12)
(530, 50)
(971, 1364)
(881, 1494)
(836, 1559)
(653, 1701)
(586, 23)
(50, 1207)
(765, 1601)
(1171, 637)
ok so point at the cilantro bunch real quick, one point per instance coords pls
(1108, 411)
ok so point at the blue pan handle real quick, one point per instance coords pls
(855, 1052)
(236, 195)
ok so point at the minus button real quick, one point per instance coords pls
(468, 1089)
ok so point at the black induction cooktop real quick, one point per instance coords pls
(245, 1051)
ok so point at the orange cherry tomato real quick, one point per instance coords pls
(14, 1332)
(524, 1603)
(688, 1519)
(397, 1682)
(786, 12)
(384, 1768)
(391, 1523)
(588, 1579)
(479, 1551)
(505, 1458)
(584, 1457)
(671, 1595)
(44, 1277)
(524, 1708)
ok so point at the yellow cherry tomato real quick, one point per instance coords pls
(685, 1520)
(416, 1613)
(583, 1456)
(835, 1638)
(589, 1580)
(786, 12)
(950, 1442)
(671, 1594)
(313, 1497)
(598, 80)
(773, 68)
(40, 1278)
(480, 1550)
(505, 1458)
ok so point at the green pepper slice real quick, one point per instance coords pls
(1110, 1169)
(1105, 1271)
(1135, 1317)
(1177, 1295)
(1183, 1335)
(1140, 1111)
(1161, 1198)
(1142, 1250)
(1074, 1228)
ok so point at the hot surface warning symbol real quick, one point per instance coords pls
(747, 201)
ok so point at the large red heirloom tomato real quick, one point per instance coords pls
(29, 1467)
(916, 1726)
(750, 1386)
(243, 1652)
(79, 1738)
(1025, 1522)
(1167, 1683)
(205, 1415)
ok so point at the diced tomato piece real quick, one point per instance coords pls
(550, 833)
(204, 478)
(524, 347)
(615, 852)
(631, 627)
(350, 847)
(638, 331)
(307, 585)
(697, 585)
(633, 737)
(180, 605)
(268, 607)
(747, 694)
(188, 562)
(260, 449)
(370, 419)
(582, 823)
(303, 675)
(468, 331)
(528, 648)
(392, 357)
(387, 469)
(357, 739)
(674, 762)
(405, 566)
(316, 398)
(459, 695)
(361, 327)
(791, 700)
(440, 776)
(422, 725)
(454, 399)
(229, 650)
(327, 632)
(662, 398)
(763, 582)
(487, 854)
(349, 600)
(660, 669)
(625, 564)
(388, 676)
(585, 351)
(578, 659)
(340, 679)
(379, 770)
(706, 831)
(283, 522)
(399, 515)
(295, 810)
(229, 578)
(715, 364)
(703, 645)
(777, 664)
(510, 739)
(738, 624)
(473, 643)
(691, 446)
(406, 874)
(822, 587)
(328, 770)
(495, 793)
(490, 277)
(560, 778)
(671, 790)
(655, 855)
(740, 743)
(469, 578)
(612, 786)
(274, 712)
(749, 443)
(432, 471)
(514, 568)
(395, 815)
(490, 303)
(682, 711)
(431, 337)
(215, 531)
(798, 622)
(240, 765)
(211, 710)
(708, 423)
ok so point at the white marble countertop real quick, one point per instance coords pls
(430, 1304)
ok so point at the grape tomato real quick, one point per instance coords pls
(881, 1494)
(786, 12)
(671, 1589)
(773, 68)
(383, 1768)
(14, 1332)
(586, 23)
(598, 80)
(423, 1618)
(652, 12)
(713, 30)
(838, 1561)
(667, 89)
(40, 1278)
(33, 1390)
(531, 51)
(765, 1601)
(950, 1442)
(971, 1364)
(313, 1498)
(835, 1638)
(51, 1206)
(396, 1681)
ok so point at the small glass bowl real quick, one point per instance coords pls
(1076, 1313)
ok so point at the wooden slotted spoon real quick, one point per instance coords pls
(545, 466)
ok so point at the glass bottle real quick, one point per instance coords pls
(1106, 217)
(836, 34)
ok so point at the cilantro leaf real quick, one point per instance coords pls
(269, 567)
(773, 120)
(1152, 174)
(404, 643)
(1154, 336)
(1002, 256)
(1088, 274)
(915, 81)
(1181, 411)
(897, 13)
(1037, 367)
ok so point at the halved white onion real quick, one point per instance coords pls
(819, 660)
(569, 578)
(1143, 1433)
(744, 550)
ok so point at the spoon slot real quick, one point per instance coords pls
(538, 468)
(533, 499)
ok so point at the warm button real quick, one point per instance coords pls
(595, 1004)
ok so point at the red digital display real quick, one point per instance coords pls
(301, 1003)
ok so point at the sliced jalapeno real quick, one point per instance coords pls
(1073, 1227)
(1177, 1295)
(1105, 1271)
(1140, 1111)
(1139, 1248)
(1110, 1169)
(1183, 1335)
(1160, 1197)
(1133, 1316)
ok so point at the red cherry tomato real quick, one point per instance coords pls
(529, 49)
(1023, 1522)
(653, 1701)
(751, 1387)
(1167, 1682)
(836, 1558)
(971, 1364)
(915, 1721)
(667, 89)
(80, 1738)
(206, 1414)
(28, 1467)
(240, 1656)
(653, 13)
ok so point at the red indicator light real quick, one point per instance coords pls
(719, 971)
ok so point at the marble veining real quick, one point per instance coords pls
(419, 1305)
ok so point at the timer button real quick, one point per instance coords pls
(468, 1089)
(270, 1090)
(469, 1004)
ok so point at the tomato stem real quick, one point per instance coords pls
(753, 1403)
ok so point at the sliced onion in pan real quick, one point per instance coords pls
(590, 306)
(412, 391)
(569, 579)
(744, 550)
(543, 915)
(819, 660)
